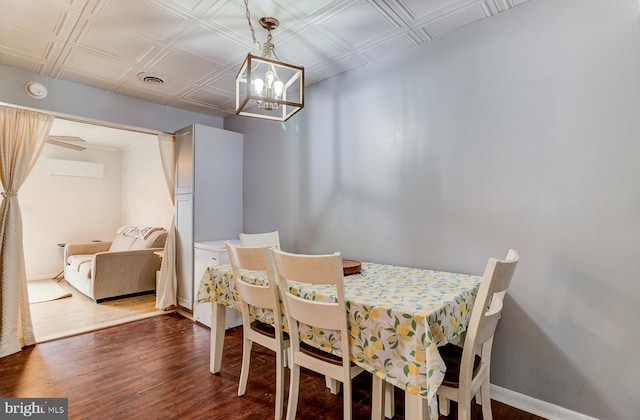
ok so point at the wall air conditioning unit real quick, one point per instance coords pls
(75, 168)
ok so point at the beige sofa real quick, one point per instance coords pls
(125, 266)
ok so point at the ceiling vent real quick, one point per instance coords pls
(151, 79)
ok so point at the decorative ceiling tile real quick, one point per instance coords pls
(127, 46)
(99, 66)
(198, 45)
(43, 17)
(23, 43)
(418, 9)
(16, 61)
(211, 46)
(311, 8)
(460, 18)
(339, 65)
(358, 24)
(170, 87)
(207, 96)
(222, 82)
(310, 48)
(194, 5)
(182, 66)
(389, 46)
(67, 73)
(151, 19)
(141, 91)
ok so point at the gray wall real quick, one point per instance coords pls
(519, 131)
(41, 253)
(83, 101)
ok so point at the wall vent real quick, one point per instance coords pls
(75, 168)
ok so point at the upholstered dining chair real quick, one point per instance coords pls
(270, 239)
(315, 270)
(468, 367)
(254, 331)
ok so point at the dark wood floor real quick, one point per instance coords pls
(158, 368)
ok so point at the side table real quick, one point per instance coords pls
(60, 275)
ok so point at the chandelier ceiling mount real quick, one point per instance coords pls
(269, 23)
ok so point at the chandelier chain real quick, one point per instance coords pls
(253, 32)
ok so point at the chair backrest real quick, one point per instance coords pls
(311, 269)
(484, 318)
(270, 239)
(258, 295)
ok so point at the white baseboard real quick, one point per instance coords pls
(535, 406)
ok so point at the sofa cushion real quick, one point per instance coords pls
(85, 268)
(134, 238)
(122, 243)
(76, 260)
(154, 239)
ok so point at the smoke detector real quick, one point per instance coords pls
(151, 79)
(36, 90)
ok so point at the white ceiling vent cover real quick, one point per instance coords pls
(75, 168)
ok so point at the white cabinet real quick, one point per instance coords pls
(184, 242)
(209, 254)
(208, 196)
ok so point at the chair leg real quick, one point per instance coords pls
(464, 409)
(346, 398)
(415, 407)
(246, 360)
(444, 405)
(280, 360)
(377, 398)
(287, 356)
(332, 384)
(294, 385)
(486, 400)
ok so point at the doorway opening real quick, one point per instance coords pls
(58, 209)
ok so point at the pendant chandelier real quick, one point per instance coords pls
(266, 87)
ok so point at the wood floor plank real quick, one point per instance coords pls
(79, 314)
(158, 368)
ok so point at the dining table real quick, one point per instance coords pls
(397, 316)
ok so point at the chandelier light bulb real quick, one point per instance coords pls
(258, 84)
(278, 87)
(269, 78)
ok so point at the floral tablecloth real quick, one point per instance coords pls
(397, 317)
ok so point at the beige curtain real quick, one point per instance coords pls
(168, 281)
(22, 136)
